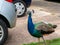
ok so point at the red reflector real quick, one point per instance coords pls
(9, 0)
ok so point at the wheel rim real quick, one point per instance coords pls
(1, 32)
(20, 8)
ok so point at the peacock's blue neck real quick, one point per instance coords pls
(30, 25)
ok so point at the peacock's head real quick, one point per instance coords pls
(30, 12)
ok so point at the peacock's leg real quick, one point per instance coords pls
(38, 39)
(44, 40)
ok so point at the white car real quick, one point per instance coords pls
(7, 19)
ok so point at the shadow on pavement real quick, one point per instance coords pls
(57, 1)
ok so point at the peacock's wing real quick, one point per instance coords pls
(37, 24)
(41, 26)
(44, 28)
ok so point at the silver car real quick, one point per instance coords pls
(7, 18)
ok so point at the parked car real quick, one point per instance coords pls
(7, 19)
(21, 6)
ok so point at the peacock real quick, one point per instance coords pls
(39, 29)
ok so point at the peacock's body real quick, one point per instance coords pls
(33, 28)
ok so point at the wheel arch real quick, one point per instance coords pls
(27, 2)
(21, 0)
(5, 20)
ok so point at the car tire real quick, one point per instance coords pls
(3, 32)
(22, 6)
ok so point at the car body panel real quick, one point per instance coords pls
(1, 4)
(8, 11)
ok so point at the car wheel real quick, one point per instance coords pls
(3, 32)
(20, 7)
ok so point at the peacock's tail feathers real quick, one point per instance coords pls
(54, 26)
